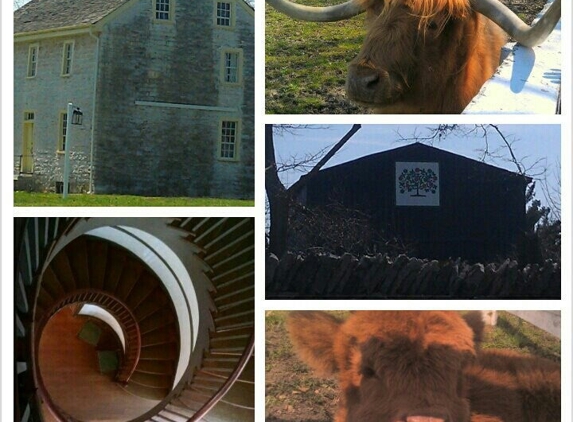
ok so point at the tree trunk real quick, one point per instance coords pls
(278, 197)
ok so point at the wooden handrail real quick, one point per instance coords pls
(228, 383)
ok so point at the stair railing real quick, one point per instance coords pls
(228, 383)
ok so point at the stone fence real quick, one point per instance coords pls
(321, 275)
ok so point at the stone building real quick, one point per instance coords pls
(166, 89)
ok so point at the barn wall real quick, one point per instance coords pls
(46, 95)
(146, 147)
(481, 212)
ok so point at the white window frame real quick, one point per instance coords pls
(219, 16)
(227, 141)
(32, 67)
(62, 132)
(166, 16)
(227, 71)
(67, 62)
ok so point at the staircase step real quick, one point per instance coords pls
(160, 352)
(220, 278)
(223, 409)
(152, 380)
(51, 283)
(163, 335)
(145, 285)
(160, 319)
(98, 252)
(209, 381)
(156, 366)
(45, 301)
(63, 270)
(152, 303)
(237, 293)
(77, 253)
(129, 277)
(235, 261)
(192, 397)
(164, 416)
(146, 392)
(241, 394)
(220, 361)
(244, 310)
(179, 410)
(116, 260)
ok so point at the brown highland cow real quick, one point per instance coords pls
(424, 367)
(425, 56)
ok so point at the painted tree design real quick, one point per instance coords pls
(417, 179)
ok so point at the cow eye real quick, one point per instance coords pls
(368, 372)
(432, 25)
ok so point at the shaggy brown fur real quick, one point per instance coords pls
(423, 56)
(424, 367)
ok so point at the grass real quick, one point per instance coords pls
(294, 393)
(306, 63)
(31, 199)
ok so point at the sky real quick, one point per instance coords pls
(20, 3)
(531, 144)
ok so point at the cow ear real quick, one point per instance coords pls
(475, 320)
(312, 334)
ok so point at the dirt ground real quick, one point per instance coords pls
(527, 9)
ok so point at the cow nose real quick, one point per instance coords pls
(423, 419)
(362, 82)
(370, 85)
(369, 79)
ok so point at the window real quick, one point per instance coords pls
(232, 66)
(28, 116)
(229, 140)
(67, 55)
(62, 132)
(163, 10)
(223, 14)
(32, 60)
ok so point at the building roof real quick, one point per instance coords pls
(42, 15)
(425, 151)
(39, 15)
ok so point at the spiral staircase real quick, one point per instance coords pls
(181, 291)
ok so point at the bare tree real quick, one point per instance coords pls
(500, 147)
(541, 239)
(280, 198)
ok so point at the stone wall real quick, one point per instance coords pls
(47, 95)
(318, 275)
(161, 102)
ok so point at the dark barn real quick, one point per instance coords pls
(440, 204)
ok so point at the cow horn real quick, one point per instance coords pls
(514, 26)
(317, 14)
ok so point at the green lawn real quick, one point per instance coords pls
(28, 199)
(306, 63)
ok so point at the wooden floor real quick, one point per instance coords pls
(70, 371)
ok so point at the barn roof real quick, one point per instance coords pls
(422, 150)
(43, 15)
